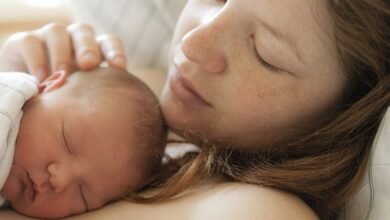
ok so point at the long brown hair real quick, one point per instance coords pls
(325, 167)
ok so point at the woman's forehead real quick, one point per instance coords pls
(304, 25)
(295, 18)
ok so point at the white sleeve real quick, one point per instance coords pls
(15, 90)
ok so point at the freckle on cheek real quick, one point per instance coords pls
(261, 92)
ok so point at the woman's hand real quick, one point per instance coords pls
(56, 47)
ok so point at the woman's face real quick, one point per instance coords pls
(250, 72)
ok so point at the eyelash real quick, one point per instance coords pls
(266, 64)
(63, 136)
(258, 56)
(261, 59)
(83, 197)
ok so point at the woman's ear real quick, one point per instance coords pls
(53, 82)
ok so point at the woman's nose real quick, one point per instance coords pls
(60, 176)
(204, 45)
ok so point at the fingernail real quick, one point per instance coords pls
(89, 56)
(119, 60)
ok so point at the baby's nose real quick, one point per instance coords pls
(60, 176)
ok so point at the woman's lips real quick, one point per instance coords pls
(186, 92)
(29, 193)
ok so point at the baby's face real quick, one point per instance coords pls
(72, 155)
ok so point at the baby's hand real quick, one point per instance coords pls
(55, 47)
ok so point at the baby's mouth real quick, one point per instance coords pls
(29, 192)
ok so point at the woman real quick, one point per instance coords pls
(283, 95)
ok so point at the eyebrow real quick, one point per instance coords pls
(283, 37)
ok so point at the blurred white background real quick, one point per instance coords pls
(22, 15)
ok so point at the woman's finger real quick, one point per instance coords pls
(59, 47)
(87, 51)
(34, 54)
(113, 50)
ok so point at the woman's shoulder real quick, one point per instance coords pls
(229, 201)
(244, 201)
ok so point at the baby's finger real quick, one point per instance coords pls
(59, 47)
(34, 54)
(113, 50)
(86, 48)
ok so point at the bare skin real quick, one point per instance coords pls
(281, 88)
(242, 201)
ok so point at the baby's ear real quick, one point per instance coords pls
(53, 82)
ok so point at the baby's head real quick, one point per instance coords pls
(84, 141)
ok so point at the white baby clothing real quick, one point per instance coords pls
(15, 89)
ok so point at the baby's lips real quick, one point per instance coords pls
(28, 193)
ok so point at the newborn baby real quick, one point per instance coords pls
(83, 141)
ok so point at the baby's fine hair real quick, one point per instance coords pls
(150, 128)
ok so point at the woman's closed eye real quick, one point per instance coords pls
(266, 64)
(262, 61)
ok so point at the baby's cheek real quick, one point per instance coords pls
(51, 205)
(11, 190)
